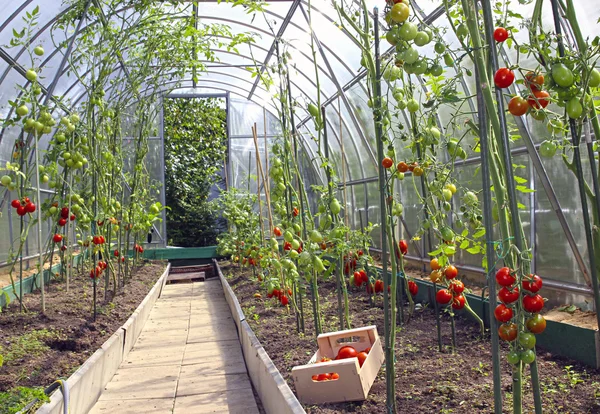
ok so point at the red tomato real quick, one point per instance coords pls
(277, 231)
(403, 245)
(295, 211)
(64, 212)
(518, 106)
(364, 276)
(500, 34)
(504, 77)
(443, 296)
(458, 302)
(21, 211)
(508, 295)
(536, 324)
(323, 377)
(371, 288)
(362, 357)
(533, 283)
(335, 376)
(503, 313)
(508, 332)
(346, 352)
(30, 207)
(62, 222)
(315, 377)
(504, 277)
(457, 287)
(539, 99)
(287, 246)
(378, 286)
(57, 238)
(15, 204)
(533, 304)
(387, 162)
(534, 81)
(402, 167)
(358, 279)
(451, 272)
(413, 288)
(284, 300)
(72, 218)
(116, 253)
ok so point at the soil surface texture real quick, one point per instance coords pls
(39, 348)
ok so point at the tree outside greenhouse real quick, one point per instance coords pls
(407, 187)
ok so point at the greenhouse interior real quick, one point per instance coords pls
(299, 206)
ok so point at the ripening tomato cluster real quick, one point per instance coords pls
(453, 292)
(96, 272)
(23, 206)
(505, 313)
(136, 247)
(97, 240)
(280, 294)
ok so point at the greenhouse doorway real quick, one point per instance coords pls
(195, 134)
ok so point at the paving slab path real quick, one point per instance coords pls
(187, 359)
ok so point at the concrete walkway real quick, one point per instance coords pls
(187, 359)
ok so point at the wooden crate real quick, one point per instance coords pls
(354, 382)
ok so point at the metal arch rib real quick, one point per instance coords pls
(340, 91)
(284, 25)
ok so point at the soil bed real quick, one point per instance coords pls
(427, 381)
(40, 348)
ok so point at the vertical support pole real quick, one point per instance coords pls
(490, 253)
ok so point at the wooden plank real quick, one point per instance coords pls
(187, 276)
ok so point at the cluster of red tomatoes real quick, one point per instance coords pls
(136, 247)
(23, 206)
(117, 254)
(281, 295)
(403, 167)
(97, 240)
(345, 352)
(453, 292)
(532, 303)
(96, 272)
(64, 215)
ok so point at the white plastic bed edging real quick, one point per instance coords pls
(275, 394)
(88, 382)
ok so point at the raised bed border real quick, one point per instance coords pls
(275, 394)
(88, 382)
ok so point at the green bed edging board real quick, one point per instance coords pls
(580, 344)
(175, 253)
(28, 283)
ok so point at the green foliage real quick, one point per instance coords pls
(195, 149)
(29, 344)
(16, 399)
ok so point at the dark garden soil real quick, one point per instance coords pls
(40, 348)
(427, 381)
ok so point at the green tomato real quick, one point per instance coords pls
(399, 12)
(422, 39)
(513, 358)
(562, 75)
(408, 31)
(288, 236)
(402, 105)
(436, 70)
(22, 110)
(295, 244)
(293, 254)
(528, 356)
(527, 340)
(318, 264)
(31, 75)
(548, 149)
(462, 31)
(401, 176)
(574, 108)
(447, 234)
(392, 37)
(412, 105)
(448, 60)
(397, 209)
(439, 48)
(419, 67)
(594, 80)
(410, 55)
(39, 51)
(315, 236)
(447, 194)
(5, 180)
(435, 132)
(470, 198)
(555, 126)
(45, 178)
(335, 206)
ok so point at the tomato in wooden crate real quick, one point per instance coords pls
(343, 368)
